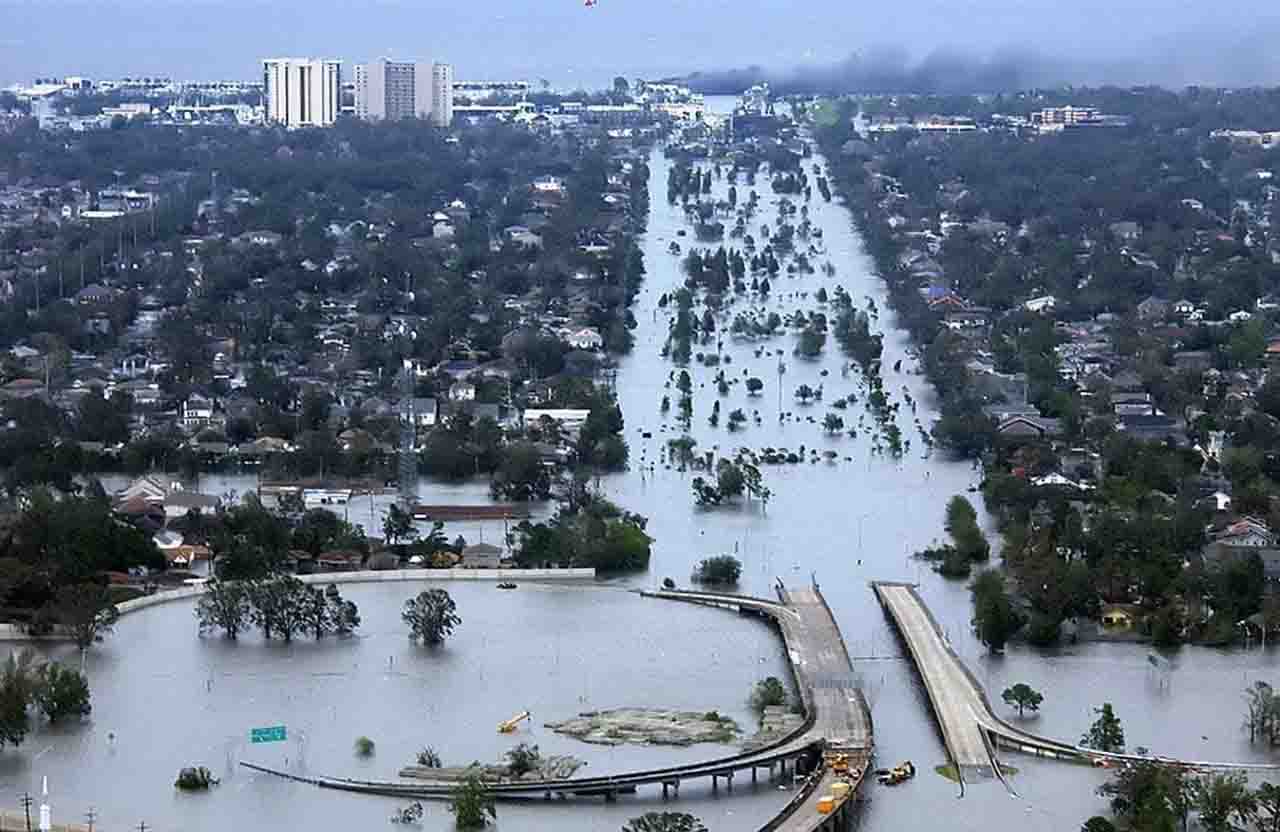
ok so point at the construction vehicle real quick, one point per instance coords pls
(510, 725)
(898, 774)
(839, 763)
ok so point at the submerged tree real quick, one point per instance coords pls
(472, 805)
(721, 569)
(397, 525)
(224, 606)
(664, 822)
(1263, 716)
(1150, 795)
(1023, 697)
(1222, 798)
(1106, 733)
(523, 759)
(994, 617)
(431, 616)
(767, 693)
(16, 687)
(62, 692)
(87, 612)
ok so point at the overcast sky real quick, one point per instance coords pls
(1164, 41)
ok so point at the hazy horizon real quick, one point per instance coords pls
(1147, 41)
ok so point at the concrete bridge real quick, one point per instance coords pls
(837, 721)
(970, 728)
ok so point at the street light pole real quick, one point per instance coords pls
(861, 517)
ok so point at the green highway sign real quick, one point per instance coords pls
(272, 733)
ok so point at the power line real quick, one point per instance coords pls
(26, 802)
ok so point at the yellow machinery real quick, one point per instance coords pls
(839, 763)
(511, 724)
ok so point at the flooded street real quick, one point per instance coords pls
(172, 699)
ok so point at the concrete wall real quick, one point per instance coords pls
(15, 632)
(11, 632)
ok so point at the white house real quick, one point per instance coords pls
(425, 412)
(1040, 304)
(548, 185)
(197, 411)
(462, 391)
(1246, 532)
(568, 418)
(585, 338)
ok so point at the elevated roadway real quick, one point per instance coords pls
(970, 727)
(837, 722)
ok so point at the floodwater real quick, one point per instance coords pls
(164, 697)
(173, 699)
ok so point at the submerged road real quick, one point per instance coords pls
(838, 722)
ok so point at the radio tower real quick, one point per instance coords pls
(408, 460)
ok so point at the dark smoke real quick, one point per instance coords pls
(1211, 59)
(892, 70)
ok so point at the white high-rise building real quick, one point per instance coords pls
(301, 92)
(422, 90)
(442, 94)
(392, 90)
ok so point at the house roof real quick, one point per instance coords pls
(1243, 527)
(1050, 427)
(191, 499)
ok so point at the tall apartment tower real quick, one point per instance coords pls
(423, 98)
(442, 94)
(302, 92)
(387, 90)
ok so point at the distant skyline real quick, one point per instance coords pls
(1156, 41)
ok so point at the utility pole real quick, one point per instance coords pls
(26, 802)
(91, 816)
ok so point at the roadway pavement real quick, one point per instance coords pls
(824, 672)
(827, 684)
(957, 700)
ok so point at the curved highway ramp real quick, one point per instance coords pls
(837, 724)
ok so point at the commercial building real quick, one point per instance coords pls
(477, 91)
(1065, 115)
(301, 92)
(442, 94)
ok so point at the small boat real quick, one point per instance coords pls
(506, 585)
